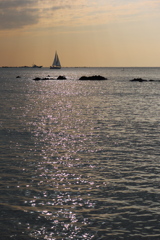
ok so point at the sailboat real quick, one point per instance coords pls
(56, 63)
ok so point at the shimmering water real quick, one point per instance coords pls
(80, 159)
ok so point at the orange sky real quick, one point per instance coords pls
(84, 32)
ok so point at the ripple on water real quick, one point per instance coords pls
(80, 161)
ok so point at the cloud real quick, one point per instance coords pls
(97, 12)
(15, 14)
(18, 13)
(18, 19)
(5, 4)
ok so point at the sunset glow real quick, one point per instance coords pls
(84, 33)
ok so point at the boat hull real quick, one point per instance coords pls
(55, 67)
(37, 67)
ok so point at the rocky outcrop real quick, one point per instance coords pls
(50, 78)
(37, 78)
(93, 78)
(61, 78)
(143, 80)
(138, 80)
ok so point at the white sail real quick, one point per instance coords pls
(56, 63)
(55, 60)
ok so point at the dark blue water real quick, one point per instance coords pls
(80, 159)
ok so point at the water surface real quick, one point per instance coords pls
(80, 159)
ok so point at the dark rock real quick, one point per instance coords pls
(138, 80)
(48, 78)
(95, 77)
(37, 78)
(61, 77)
(18, 77)
(45, 78)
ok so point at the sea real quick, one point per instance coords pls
(79, 160)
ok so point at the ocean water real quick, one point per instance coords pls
(79, 159)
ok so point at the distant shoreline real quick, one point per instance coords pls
(34, 66)
(75, 67)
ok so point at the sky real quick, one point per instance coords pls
(85, 33)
